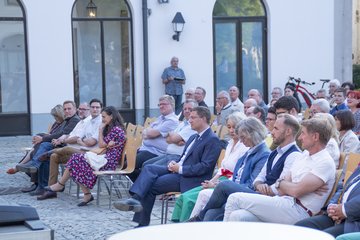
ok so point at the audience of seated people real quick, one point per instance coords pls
(195, 165)
(234, 150)
(82, 138)
(46, 144)
(293, 184)
(112, 137)
(298, 190)
(275, 165)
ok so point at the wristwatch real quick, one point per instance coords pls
(277, 183)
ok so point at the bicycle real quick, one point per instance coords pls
(302, 90)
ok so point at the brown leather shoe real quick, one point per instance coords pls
(47, 195)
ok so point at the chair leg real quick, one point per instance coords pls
(98, 191)
(162, 209)
(110, 192)
(166, 209)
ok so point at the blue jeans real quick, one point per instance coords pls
(43, 148)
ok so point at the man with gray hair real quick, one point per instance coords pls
(177, 138)
(223, 107)
(154, 137)
(256, 95)
(234, 97)
(319, 106)
(189, 95)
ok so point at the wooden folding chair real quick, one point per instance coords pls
(333, 190)
(172, 196)
(129, 153)
(130, 130)
(341, 160)
(352, 163)
(148, 121)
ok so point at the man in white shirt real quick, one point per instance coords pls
(298, 197)
(234, 97)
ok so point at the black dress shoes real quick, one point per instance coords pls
(37, 192)
(47, 195)
(194, 219)
(129, 204)
(29, 189)
(84, 203)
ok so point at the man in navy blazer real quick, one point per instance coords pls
(195, 165)
(343, 212)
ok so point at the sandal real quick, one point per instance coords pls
(83, 203)
(50, 190)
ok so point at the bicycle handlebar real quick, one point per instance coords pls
(298, 80)
(325, 80)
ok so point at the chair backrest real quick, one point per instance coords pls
(130, 130)
(341, 160)
(130, 152)
(148, 121)
(333, 190)
(220, 158)
(352, 163)
(139, 131)
(212, 119)
(224, 131)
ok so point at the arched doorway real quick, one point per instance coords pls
(102, 50)
(240, 49)
(14, 91)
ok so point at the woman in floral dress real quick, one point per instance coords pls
(111, 136)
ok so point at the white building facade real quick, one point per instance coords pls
(52, 50)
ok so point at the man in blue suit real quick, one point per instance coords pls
(256, 181)
(343, 212)
(195, 165)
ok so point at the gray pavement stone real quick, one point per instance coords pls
(61, 214)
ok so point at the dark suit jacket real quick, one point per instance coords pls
(256, 161)
(66, 128)
(352, 205)
(200, 161)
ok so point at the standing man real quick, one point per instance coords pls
(234, 97)
(174, 77)
(298, 190)
(195, 165)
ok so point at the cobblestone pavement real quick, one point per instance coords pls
(62, 214)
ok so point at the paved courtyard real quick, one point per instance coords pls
(62, 214)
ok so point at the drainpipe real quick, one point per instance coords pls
(146, 59)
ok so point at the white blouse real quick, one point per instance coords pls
(232, 155)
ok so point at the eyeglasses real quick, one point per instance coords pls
(83, 109)
(189, 94)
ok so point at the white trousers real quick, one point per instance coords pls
(255, 207)
(201, 201)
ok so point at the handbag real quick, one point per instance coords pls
(98, 150)
(96, 161)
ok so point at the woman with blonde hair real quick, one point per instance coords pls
(58, 114)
